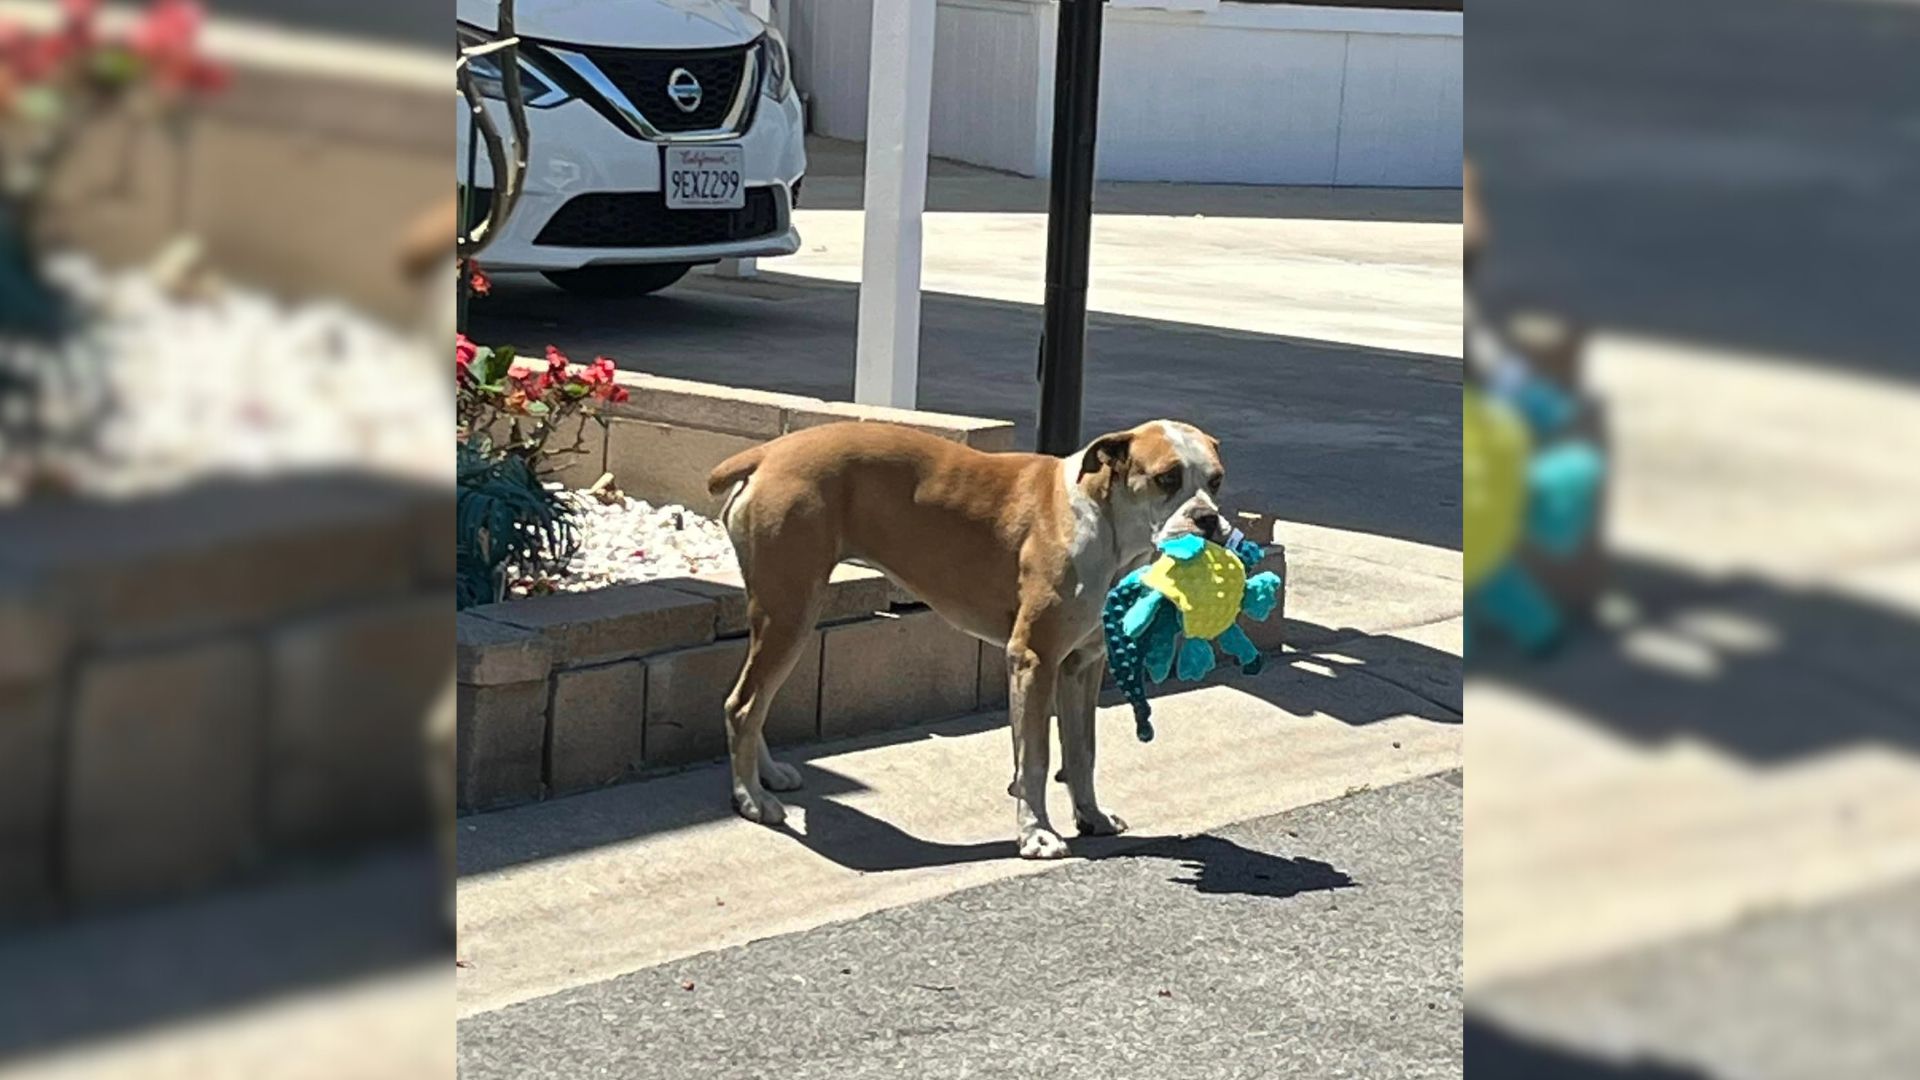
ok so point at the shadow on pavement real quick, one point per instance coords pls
(1762, 670)
(117, 974)
(859, 841)
(627, 811)
(1220, 867)
(1493, 1053)
(1361, 439)
(1353, 676)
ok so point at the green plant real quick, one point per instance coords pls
(504, 515)
(514, 404)
(508, 408)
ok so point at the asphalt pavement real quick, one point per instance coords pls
(1321, 942)
(426, 26)
(1733, 171)
(1784, 995)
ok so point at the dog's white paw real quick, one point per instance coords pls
(779, 776)
(1042, 844)
(759, 807)
(1099, 823)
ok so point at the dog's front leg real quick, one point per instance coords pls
(1030, 687)
(1079, 697)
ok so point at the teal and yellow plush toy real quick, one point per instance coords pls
(1193, 591)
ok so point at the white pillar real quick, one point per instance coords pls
(899, 109)
(746, 268)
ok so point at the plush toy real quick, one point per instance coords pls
(1522, 480)
(1193, 591)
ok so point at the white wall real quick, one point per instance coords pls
(989, 56)
(1229, 93)
(830, 40)
(1400, 121)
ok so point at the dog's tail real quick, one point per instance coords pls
(731, 476)
(735, 469)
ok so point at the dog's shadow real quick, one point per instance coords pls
(859, 841)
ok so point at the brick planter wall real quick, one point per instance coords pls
(302, 178)
(670, 433)
(194, 685)
(654, 666)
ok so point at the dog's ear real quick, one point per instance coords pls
(1108, 451)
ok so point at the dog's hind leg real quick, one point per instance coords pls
(779, 635)
(783, 602)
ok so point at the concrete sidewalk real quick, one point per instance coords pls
(1694, 835)
(1319, 943)
(1741, 735)
(589, 887)
(1375, 268)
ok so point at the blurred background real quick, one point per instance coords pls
(1693, 539)
(226, 658)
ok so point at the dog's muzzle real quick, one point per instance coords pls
(1204, 522)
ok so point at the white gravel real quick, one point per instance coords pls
(631, 540)
(237, 383)
(233, 383)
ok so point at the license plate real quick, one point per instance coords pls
(705, 178)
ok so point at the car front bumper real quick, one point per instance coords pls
(577, 152)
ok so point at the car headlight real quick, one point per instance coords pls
(776, 67)
(537, 89)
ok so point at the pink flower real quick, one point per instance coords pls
(463, 352)
(27, 58)
(477, 280)
(78, 17)
(168, 30)
(205, 77)
(557, 362)
(531, 376)
(167, 38)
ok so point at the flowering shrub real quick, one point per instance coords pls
(508, 407)
(516, 403)
(52, 83)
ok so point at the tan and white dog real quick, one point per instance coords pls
(1016, 549)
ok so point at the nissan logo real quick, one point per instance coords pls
(684, 89)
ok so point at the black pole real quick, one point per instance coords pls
(462, 291)
(1076, 116)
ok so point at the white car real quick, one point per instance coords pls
(663, 134)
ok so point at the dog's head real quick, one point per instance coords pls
(1160, 480)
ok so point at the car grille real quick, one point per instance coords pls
(642, 75)
(641, 219)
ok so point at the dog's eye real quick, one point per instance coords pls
(1169, 480)
(1214, 483)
